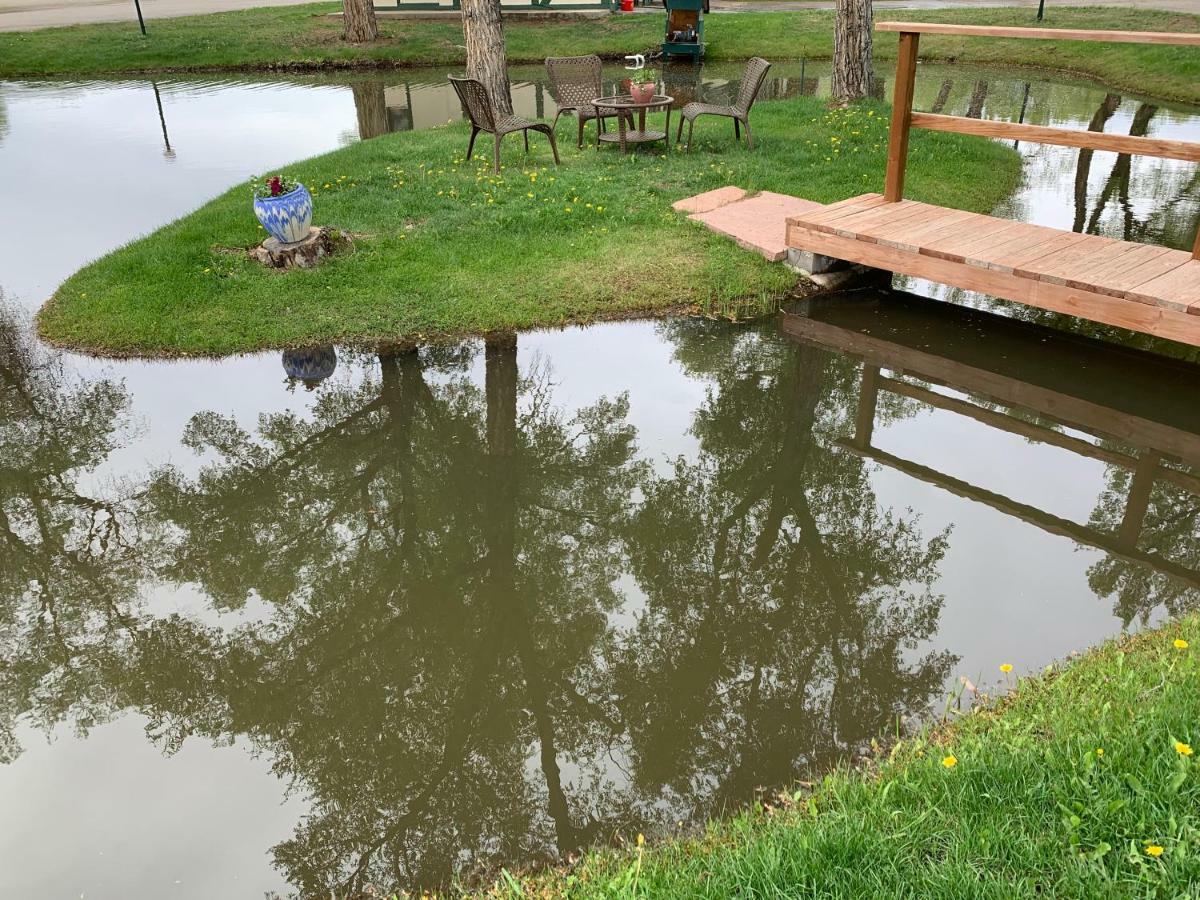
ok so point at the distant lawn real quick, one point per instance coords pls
(1083, 783)
(447, 249)
(306, 37)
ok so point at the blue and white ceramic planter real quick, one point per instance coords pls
(287, 217)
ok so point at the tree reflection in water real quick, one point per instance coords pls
(69, 560)
(457, 669)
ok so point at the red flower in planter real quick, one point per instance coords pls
(276, 186)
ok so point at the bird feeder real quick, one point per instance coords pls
(685, 28)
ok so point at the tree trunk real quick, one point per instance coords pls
(853, 71)
(358, 17)
(370, 105)
(486, 55)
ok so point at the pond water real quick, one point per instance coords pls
(306, 622)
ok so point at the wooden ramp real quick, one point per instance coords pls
(1136, 286)
(1155, 290)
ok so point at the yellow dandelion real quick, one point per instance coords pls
(950, 761)
(1154, 850)
(1181, 644)
(1099, 751)
(1006, 668)
(1183, 749)
(641, 839)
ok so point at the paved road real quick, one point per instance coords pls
(22, 15)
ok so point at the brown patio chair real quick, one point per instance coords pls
(753, 77)
(575, 81)
(477, 107)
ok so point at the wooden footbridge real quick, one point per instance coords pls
(1155, 290)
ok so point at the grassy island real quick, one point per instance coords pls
(1081, 782)
(443, 248)
(308, 38)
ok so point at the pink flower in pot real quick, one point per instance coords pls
(642, 93)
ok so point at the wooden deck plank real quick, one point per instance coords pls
(1126, 270)
(1082, 258)
(1024, 264)
(952, 246)
(1052, 267)
(1006, 254)
(1179, 288)
(910, 235)
(821, 219)
(861, 225)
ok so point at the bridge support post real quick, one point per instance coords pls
(902, 100)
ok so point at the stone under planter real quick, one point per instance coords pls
(321, 242)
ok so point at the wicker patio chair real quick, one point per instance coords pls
(575, 81)
(753, 77)
(477, 107)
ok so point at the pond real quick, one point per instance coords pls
(310, 621)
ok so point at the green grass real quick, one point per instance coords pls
(306, 37)
(1061, 789)
(444, 248)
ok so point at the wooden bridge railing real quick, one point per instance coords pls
(903, 117)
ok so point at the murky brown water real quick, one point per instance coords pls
(404, 615)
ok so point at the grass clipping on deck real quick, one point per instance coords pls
(1080, 783)
(443, 247)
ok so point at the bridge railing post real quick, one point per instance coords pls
(902, 100)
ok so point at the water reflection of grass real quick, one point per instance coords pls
(448, 248)
(1081, 783)
(306, 37)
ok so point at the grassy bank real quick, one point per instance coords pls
(1081, 783)
(445, 248)
(306, 37)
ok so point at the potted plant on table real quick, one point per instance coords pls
(642, 85)
(283, 207)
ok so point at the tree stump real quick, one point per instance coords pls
(305, 254)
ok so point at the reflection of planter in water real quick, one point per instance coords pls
(287, 217)
(311, 366)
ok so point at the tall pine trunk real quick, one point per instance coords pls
(486, 54)
(853, 70)
(358, 19)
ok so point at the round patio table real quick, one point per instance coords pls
(641, 135)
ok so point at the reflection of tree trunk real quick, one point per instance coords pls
(939, 102)
(371, 108)
(1106, 110)
(853, 70)
(979, 92)
(1118, 179)
(501, 510)
(801, 395)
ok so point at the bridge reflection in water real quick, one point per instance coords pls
(1030, 381)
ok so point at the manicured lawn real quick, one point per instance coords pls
(445, 248)
(1082, 783)
(306, 37)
